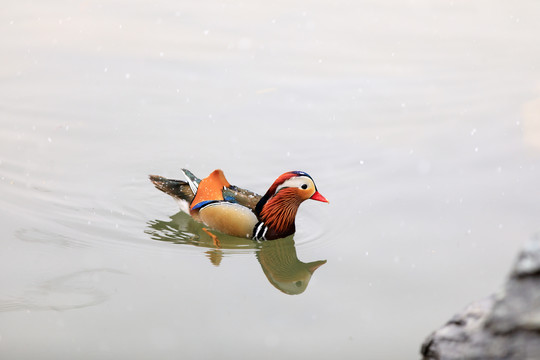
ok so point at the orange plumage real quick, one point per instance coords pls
(211, 188)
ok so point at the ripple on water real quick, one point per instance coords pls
(72, 291)
(123, 215)
(312, 229)
(130, 216)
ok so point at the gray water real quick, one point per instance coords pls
(418, 120)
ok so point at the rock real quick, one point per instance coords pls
(502, 326)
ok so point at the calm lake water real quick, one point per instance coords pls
(418, 120)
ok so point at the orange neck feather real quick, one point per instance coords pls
(279, 213)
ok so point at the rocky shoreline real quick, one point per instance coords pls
(505, 325)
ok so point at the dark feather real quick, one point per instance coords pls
(176, 188)
(242, 196)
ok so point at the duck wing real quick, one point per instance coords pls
(241, 196)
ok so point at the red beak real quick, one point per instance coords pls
(317, 196)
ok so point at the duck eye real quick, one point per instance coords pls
(304, 186)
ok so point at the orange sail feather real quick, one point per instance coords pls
(210, 188)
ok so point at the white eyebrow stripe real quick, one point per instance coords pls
(296, 181)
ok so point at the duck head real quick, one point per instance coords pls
(277, 209)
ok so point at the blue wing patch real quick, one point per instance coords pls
(203, 203)
(230, 198)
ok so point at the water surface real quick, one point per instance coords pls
(419, 121)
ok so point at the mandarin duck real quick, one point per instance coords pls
(231, 210)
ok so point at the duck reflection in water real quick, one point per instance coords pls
(277, 258)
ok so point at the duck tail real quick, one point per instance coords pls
(178, 189)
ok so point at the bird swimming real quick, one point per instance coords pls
(234, 211)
